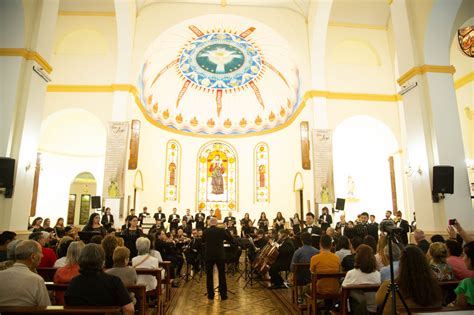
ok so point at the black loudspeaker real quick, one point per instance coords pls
(340, 203)
(443, 179)
(7, 171)
(95, 200)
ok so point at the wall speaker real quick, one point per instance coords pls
(95, 200)
(443, 179)
(7, 172)
(340, 203)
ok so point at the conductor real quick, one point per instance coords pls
(213, 238)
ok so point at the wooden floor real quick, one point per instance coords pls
(191, 298)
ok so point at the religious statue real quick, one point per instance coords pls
(261, 171)
(324, 194)
(217, 169)
(172, 170)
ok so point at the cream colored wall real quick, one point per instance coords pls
(285, 156)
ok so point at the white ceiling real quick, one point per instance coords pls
(371, 12)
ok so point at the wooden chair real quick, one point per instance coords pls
(138, 289)
(96, 310)
(166, 265)
(47, 273)
(312, 298)
(296, 286)
(157, 293)
(345, 293)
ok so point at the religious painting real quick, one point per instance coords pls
(217, 177)
(466, 40)
(262, 173)
(172, 171)
(323, 166)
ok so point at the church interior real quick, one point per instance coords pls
(232, 108)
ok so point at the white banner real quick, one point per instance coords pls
(115, 158)
(323, 168)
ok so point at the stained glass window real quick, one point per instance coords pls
(173, 166)
(466, 40)
(262, 173)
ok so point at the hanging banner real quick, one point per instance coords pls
(323, 166)
(115, 158)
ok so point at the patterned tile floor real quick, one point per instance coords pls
(191, 298)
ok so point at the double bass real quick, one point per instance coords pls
(265, 258)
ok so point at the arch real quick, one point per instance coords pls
(361, 148)
(83, 41)
(361, 53)
(59, 134)
(217, 177)
(82, 187)
(298, 183)
(84, 178)
(138, 180)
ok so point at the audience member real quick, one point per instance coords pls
(325, 262)
(385, 271)
(438, 253)
(364, 272)
(48, 257)
(460, 270)
(70, 269)
(370, 241)
(121, 269)
(10, 255)
(465, 289)
(61, 251)
(146, 261)
(96, 239)
(417, 284)
(303, 255)
(420, 240)
(437, 238)
(343, 247)
(19, 285)
(5, 238)
(381, 258)
(109, 243)
(93, 287)
(348, 262)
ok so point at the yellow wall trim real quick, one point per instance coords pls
(86, 13)
(28, 55)
(307, 96)
(359, 26)
(390, 2)
(459, 83)
(424, 69)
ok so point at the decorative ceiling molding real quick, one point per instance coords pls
(28, 55)
(468, 78)
(86, 13)
(358, 26)
(424, 69)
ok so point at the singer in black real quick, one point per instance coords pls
(213, 238)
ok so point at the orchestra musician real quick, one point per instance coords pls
(143, 215)
(156, 229)
(244, 223)
(362, 228)
(312, 229)
(283, 261)
(325, 219)
(263, 222)
(189, 221)
(185, 227)
(193, 251)
(341, 225)
(208, 218)
(229, 217)
(279, 222)
(160, 215)
(231, 227)
(200, 219)
(296, 224)
(173, 220)
(167, 248)
(107, 219)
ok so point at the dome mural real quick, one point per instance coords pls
(219, 75)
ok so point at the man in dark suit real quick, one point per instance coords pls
(159, 215)
(107, 219)
(213, 238)
(283, 261)
(199, 218)
(403, 224)
(325, 219)
(373, 228)
(173, 220)
(228, 218)
(314, 230)
(362, 228)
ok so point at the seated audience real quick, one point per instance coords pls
(348, 262)
(303, 255)
(420, 240)
(385, 271)
(70, 270)
(438, 253)
(416, 282)
(109, 243)
(364, 272)
(121, 269)
(10, 255)
(465, 289)
(5, 238)
(93, 287)
(49, 257)
(343, 247)
(61, 251)
(370, 241)
(96, 239)
(145, 261)
(19, 285)
(325, 262)
(437, 238)
(460, 270)
(381, 258)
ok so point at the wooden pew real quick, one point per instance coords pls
(139, 290)
(96, 310)
(166, 265)
(47, 273)
(157, 293)
(312, 299)
(296, 287)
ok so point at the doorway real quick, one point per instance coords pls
(82, 188)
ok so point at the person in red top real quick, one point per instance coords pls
(49, 256)
(66, 273)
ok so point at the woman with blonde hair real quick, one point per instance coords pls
(438, 252)
(381, 259)
(70, 270)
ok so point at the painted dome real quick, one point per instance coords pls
(219, 75)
